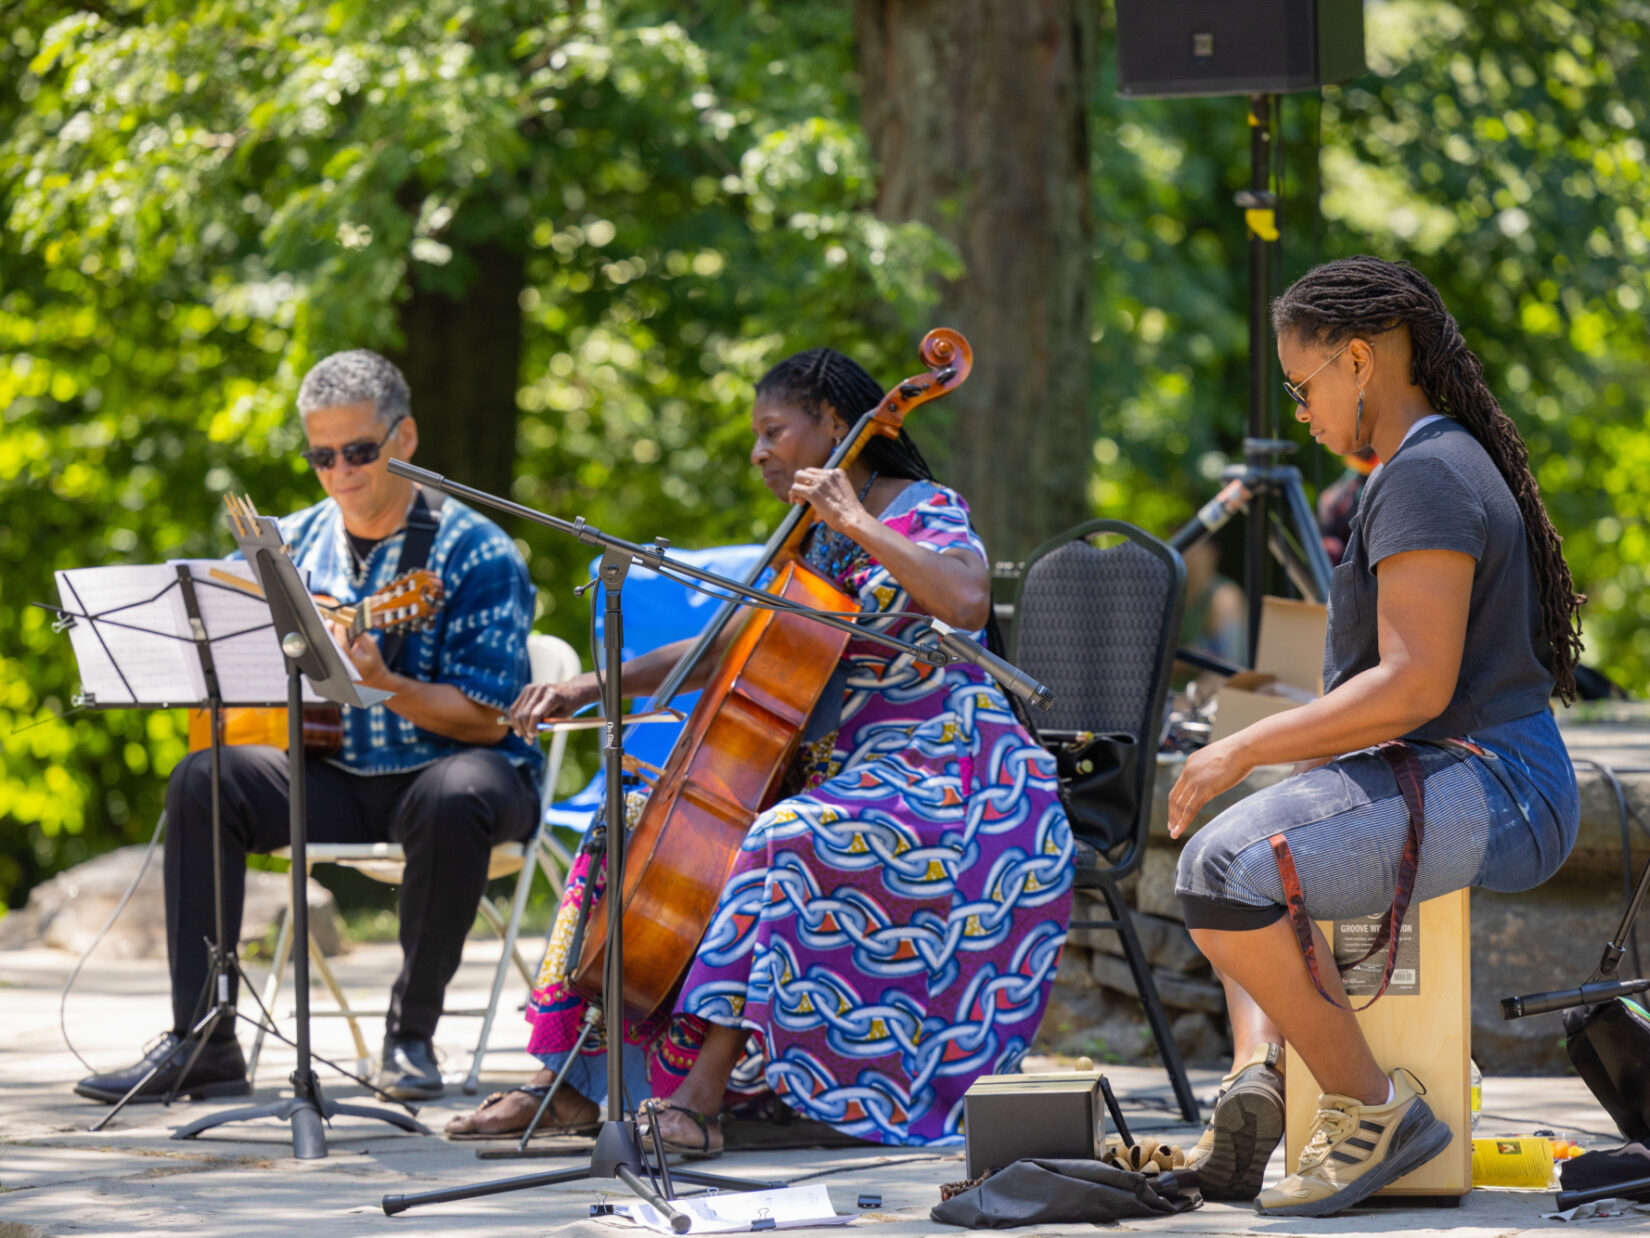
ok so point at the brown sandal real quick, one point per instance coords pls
(704, 1152)
(466, 1126)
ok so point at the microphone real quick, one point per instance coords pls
(1558, 999)
(962, 649)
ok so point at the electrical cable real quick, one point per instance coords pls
(1625, 812)
(859, 1165)
(63, 1000)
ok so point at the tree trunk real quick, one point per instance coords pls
(462, 360)
(976, 113)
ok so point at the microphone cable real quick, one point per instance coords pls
(63, 1000)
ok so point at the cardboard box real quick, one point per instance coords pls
(1288, 667)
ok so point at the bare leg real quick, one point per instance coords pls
(1266, 965)
(702, 1090)
(707, 1081)
(1251, 1028)
(510, 1112)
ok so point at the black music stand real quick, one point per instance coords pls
(138, 640)
(617, 1152)
(311, 654)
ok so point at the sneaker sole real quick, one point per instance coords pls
(1417, 1151)
(1248, 1125)
(206, 1091)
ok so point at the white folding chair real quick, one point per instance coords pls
(552, 660)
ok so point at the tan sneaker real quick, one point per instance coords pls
(1354, 1149)
(1230, 1158)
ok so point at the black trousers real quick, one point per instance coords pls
(448, 816)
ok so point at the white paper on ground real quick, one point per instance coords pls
(793, 1207)
(1600, 1210)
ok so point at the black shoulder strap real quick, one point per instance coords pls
(423, 519)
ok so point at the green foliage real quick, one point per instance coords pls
(1499, 148)
(1503, 152)
(201, 198)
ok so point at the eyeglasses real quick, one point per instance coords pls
(1297, 391)
(358, 454)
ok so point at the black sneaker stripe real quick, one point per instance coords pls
(1343, 1158)
(1371, 1126)
(1362, 1143)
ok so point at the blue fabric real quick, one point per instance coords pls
(657, 611)
(1505, 821)
(478, 643)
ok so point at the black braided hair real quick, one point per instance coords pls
(810, 380)
(819, 376)
(1367, 296)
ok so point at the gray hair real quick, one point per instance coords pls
(354, 377)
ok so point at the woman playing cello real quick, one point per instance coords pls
(892, 924)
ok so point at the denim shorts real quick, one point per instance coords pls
(1504, 821)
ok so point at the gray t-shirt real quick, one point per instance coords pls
(1441, 491)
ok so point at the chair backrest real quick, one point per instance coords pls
(551, 660)
(657, 610)
(1098, 625)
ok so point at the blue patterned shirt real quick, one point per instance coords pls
(478, 642)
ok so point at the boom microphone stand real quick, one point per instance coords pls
(617, 1152)
(1601, 985)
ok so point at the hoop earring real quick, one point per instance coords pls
(1358, 424)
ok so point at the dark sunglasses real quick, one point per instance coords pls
(1297, 391)
(358, 454)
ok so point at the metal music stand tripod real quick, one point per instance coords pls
(617, 1152)
(146, 616)
(310, 654)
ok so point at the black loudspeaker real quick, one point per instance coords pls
(1236, 47)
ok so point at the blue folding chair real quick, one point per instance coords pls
(657, 611)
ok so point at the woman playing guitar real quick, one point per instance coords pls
(892, 924)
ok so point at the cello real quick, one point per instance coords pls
(734, 748)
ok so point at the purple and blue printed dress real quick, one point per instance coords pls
(891, 929)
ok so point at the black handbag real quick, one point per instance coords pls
(1100, 785)
(1052, 1192)
(1610, 1046)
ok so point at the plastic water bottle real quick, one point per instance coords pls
(1477, 1092)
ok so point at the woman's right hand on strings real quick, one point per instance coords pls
(539, 701)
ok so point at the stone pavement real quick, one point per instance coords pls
(57, 1178)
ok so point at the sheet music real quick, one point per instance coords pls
(158, 670)
(251, 668)
(139, 612)
(792, 1207)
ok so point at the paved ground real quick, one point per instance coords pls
(58, 1178)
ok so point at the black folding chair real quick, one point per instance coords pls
(1098, 624)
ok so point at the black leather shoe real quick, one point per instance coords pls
(220, 1070)
(409, 1070)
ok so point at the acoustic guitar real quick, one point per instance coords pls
(409, 603)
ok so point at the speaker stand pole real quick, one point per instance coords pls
(1260, 215)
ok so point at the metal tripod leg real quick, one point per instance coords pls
(592, 1020)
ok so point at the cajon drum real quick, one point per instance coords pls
(1422, 1022)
